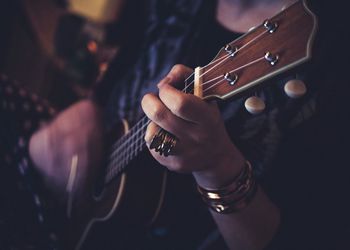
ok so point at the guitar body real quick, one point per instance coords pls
(131, 200)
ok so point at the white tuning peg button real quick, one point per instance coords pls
(254, 105)
(295, 88)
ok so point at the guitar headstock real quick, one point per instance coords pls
(277, 45)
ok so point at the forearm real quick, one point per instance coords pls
(251, 227)
(204, 148)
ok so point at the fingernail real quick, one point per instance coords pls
(163, 82)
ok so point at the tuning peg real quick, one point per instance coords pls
(254, 105)
(295, 88)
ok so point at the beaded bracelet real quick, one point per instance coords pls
(234, 196)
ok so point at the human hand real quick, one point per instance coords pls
(203, 147)
(75, 132)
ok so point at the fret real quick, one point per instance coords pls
(140, 141)
(126, 149)
(132, 146)
(124, 158)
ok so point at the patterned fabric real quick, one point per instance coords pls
(23, 210)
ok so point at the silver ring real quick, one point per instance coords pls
(163, 142)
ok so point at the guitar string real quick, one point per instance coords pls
(248, 64)
(223, 58)
(139, 142)
(125, 139)
(125, 155)
(141, 121)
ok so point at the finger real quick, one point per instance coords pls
(176, 76)
(173, 162)
(185, 106)
(162, 116)
(151, 130)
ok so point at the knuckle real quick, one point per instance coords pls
(180, 70)
(151, 107)
(180, 104)
(145, 100)
(177, 68)
(158, 113)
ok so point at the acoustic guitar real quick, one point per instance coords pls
(276, 46)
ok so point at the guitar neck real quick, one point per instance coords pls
(277, 45)
(127, 148)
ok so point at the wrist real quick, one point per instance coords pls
(233, 196)
(222, 172)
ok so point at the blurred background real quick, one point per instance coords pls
(59, 48)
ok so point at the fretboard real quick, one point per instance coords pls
(127, 148)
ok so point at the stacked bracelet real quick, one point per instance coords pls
(234, 196)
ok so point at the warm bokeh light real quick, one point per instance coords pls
(98, 10)
(92, 47)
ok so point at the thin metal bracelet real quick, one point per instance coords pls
(237, 181)
(233, 196)
(237, 205)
